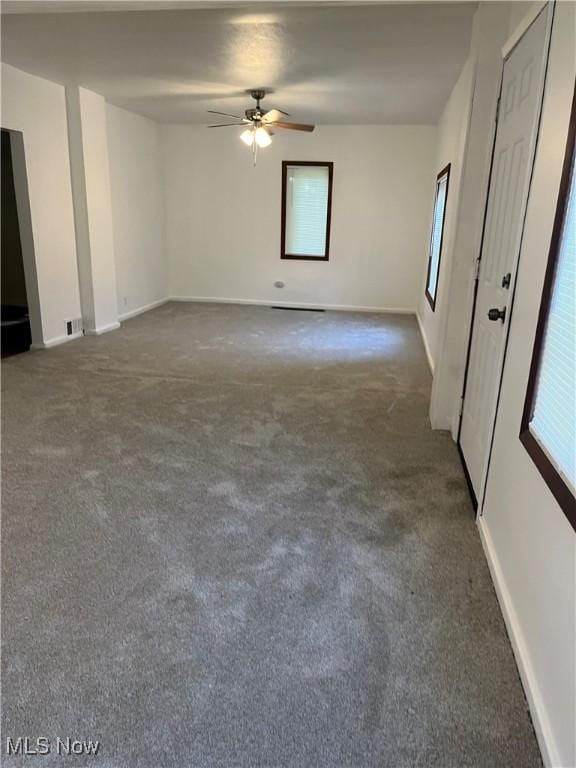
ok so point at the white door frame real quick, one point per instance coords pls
(507, 50)
(20, 172)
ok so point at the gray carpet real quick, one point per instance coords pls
(231, 539)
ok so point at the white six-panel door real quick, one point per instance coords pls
(516, 132)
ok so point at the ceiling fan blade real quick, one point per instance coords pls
(293, 126)
(226, 114)
(272, 115)
(226, 125)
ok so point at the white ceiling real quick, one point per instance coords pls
(327, 64)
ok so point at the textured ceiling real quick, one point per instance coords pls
(343, 64)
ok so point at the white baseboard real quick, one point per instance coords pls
(102, 329)
(540, 719)
(63, 339)
(56, 341)
(298, 305)
(425, 342)
(141, 310)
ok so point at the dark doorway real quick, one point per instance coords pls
(16, 336)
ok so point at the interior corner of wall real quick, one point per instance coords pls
(429, 357)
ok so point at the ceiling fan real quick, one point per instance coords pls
(258, 124)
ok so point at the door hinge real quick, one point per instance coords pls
(477, 270)
(497, 110)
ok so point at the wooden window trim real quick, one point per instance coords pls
(298, 257)
(553, 479)
(432, 299)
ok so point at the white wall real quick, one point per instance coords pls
(92, 208)
(452, 133)
(37, 108)
(119, 212)
(137, 210)
(529, 542)
(223, 215)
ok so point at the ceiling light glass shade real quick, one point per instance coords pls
(247, 137)
(262, 137)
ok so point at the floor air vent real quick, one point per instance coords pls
(73, 326)
(299, 309)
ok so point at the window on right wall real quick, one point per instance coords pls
(548, 429)
(437, 235)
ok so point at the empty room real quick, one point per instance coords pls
(288, 384)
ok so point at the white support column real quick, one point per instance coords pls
(92, 209)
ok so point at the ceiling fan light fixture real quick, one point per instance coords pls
(247, 137)
(259, 126)
(262, 137)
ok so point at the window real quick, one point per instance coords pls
(548, 429)
(437, 235)
(306, 209)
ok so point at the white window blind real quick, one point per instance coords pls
(436, 239)
(306, 210)
(554, 408)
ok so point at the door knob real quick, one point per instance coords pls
(497, 314)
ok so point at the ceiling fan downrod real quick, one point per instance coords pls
(258, 95)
